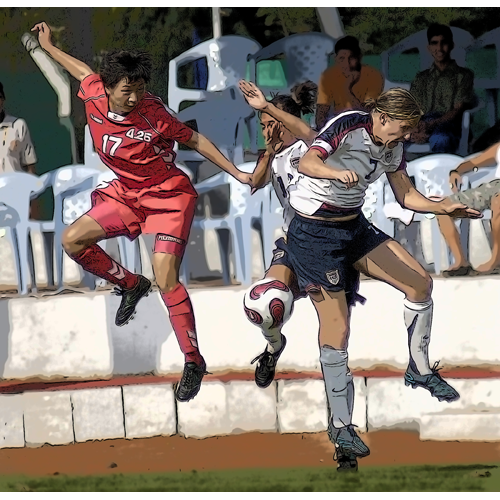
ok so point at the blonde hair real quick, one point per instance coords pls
(398, 104)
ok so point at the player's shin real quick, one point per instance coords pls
(338, 383)
(182, 320)
(418, 319)
(96, 261)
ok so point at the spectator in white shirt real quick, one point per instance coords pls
(17, 153)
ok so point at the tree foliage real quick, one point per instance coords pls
(291, 20)
(379, 28)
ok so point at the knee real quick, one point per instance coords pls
(166, 272)
(72, 241)
(268, 303)
(335, 333)
(166, 283)
(421, 290)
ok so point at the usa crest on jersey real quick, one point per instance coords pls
(295, 162)
(333, 276)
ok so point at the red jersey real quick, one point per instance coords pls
(137, 147)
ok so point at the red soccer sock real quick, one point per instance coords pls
(96, 261)
(182, 320)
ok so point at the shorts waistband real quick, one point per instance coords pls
(328, 223)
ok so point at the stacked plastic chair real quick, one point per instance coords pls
(16, 191)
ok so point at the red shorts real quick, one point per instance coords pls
(166, 210)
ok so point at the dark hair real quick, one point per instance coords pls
(301, 99)
(2, 94)
(438, 30)
(348, 43)
(133, 65)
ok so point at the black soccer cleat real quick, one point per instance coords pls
(130, 298)
(266, 366)
(190, 383)
(345, 462)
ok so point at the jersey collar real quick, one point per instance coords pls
(115, 117)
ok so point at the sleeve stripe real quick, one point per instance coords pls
(323, 151)
(340, 126)
(338, 138)
(95, 98)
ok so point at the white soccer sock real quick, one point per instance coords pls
(273, 338)
(338, 384)
(418, 319)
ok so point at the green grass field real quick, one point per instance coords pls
(405, 478)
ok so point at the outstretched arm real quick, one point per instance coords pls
(73, 66)
(295, 125)
(408, 197)
(485, 159)
(208, 149)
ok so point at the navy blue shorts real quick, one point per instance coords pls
(280, 258)
(323, 253)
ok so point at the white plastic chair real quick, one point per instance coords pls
(243, 210)
(490, 85)
(431, 175)
(306, 55)
(16, 190)
(226, 59)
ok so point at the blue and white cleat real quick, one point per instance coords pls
(348, 447)
(433, 382)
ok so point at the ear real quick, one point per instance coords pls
(383, 118)
(107, 91)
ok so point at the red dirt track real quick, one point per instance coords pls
(161, 454)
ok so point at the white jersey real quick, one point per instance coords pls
(346, 142)
(284, 173)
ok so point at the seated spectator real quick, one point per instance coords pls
(484, 197)
(16, 149)
(348, 83)
(444, 91)
(17, 153)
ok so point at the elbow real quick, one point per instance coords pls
(405, 202)
(303, 166)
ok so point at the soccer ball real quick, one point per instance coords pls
(269, 303)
